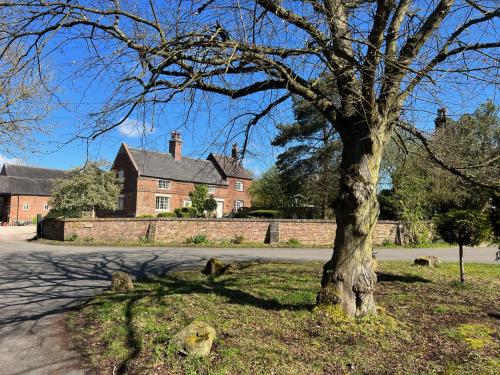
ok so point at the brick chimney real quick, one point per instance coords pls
(175, 145)
(234, 151)
(440, 121)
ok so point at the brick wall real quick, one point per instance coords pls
(308, 232)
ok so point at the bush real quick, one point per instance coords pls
(463, 227)
(166, 214)
(265, 213)
(210, 205)
(71, 238)
(237, 240)
(185, 212)
(200, 239)
(293, 242)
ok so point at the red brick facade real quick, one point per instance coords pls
(23, 208)
(140, 192)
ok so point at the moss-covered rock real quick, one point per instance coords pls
(215, 267)
(195, 339)
(121, 282)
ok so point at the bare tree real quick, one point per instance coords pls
(383, 54)
(23, 104)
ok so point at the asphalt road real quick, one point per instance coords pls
(39, 282)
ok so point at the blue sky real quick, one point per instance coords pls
(204, 125)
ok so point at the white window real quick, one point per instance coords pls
(162, 203)
(238, 205)
(187, 203)
(26, 207)
(211, 189)
(120, 175)
(163, 184)
(238, 186)
(121, 202)
(46, 207)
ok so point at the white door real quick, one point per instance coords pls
(220, 209)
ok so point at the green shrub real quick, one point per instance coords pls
(293, 242)
(265, 213)
(237, 240)
(71, 238)
(463, 227)
(210, 204)
(200, 239)
(185, 212)
(166, 214)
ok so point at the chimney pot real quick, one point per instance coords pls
(234, 151)
(175, 145)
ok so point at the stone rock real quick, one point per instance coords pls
(215, 267)
(121, 282)
(195, 339)
(428, 261)
(228, 269)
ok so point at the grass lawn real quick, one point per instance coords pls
(267, 323)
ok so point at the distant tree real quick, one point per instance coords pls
(86, 190)
(23, 104)
(198, 198)
(310, 164)
(421, 189)
(210, 204)
(465, 228)
(267, 191)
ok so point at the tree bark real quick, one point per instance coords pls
(461, 260)
(349, 278)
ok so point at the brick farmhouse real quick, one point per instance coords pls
(25, 192)
(155, 182)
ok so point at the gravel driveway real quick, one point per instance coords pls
(39, 282)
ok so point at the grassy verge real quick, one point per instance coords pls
(208, 244)
(267, 323)
(217, 244)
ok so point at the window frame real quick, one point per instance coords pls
(168, 202)
(26, 206)
(211, 189)
(162, 180)
(239, 183)
(236, 204)
(186, 201)
(46, 207)
(120, 175)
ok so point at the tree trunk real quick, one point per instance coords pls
(461, 260)
(349, 278)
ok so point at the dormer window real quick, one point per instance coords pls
(238, 186)
(164, 184)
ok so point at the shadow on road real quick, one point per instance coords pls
(37, 284)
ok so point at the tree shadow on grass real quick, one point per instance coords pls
(391, 277)
(171, 284)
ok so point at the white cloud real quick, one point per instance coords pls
(132, 128)
(5, 160)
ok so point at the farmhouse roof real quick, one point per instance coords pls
(163, 165)
(23, 180)
(230, 166)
